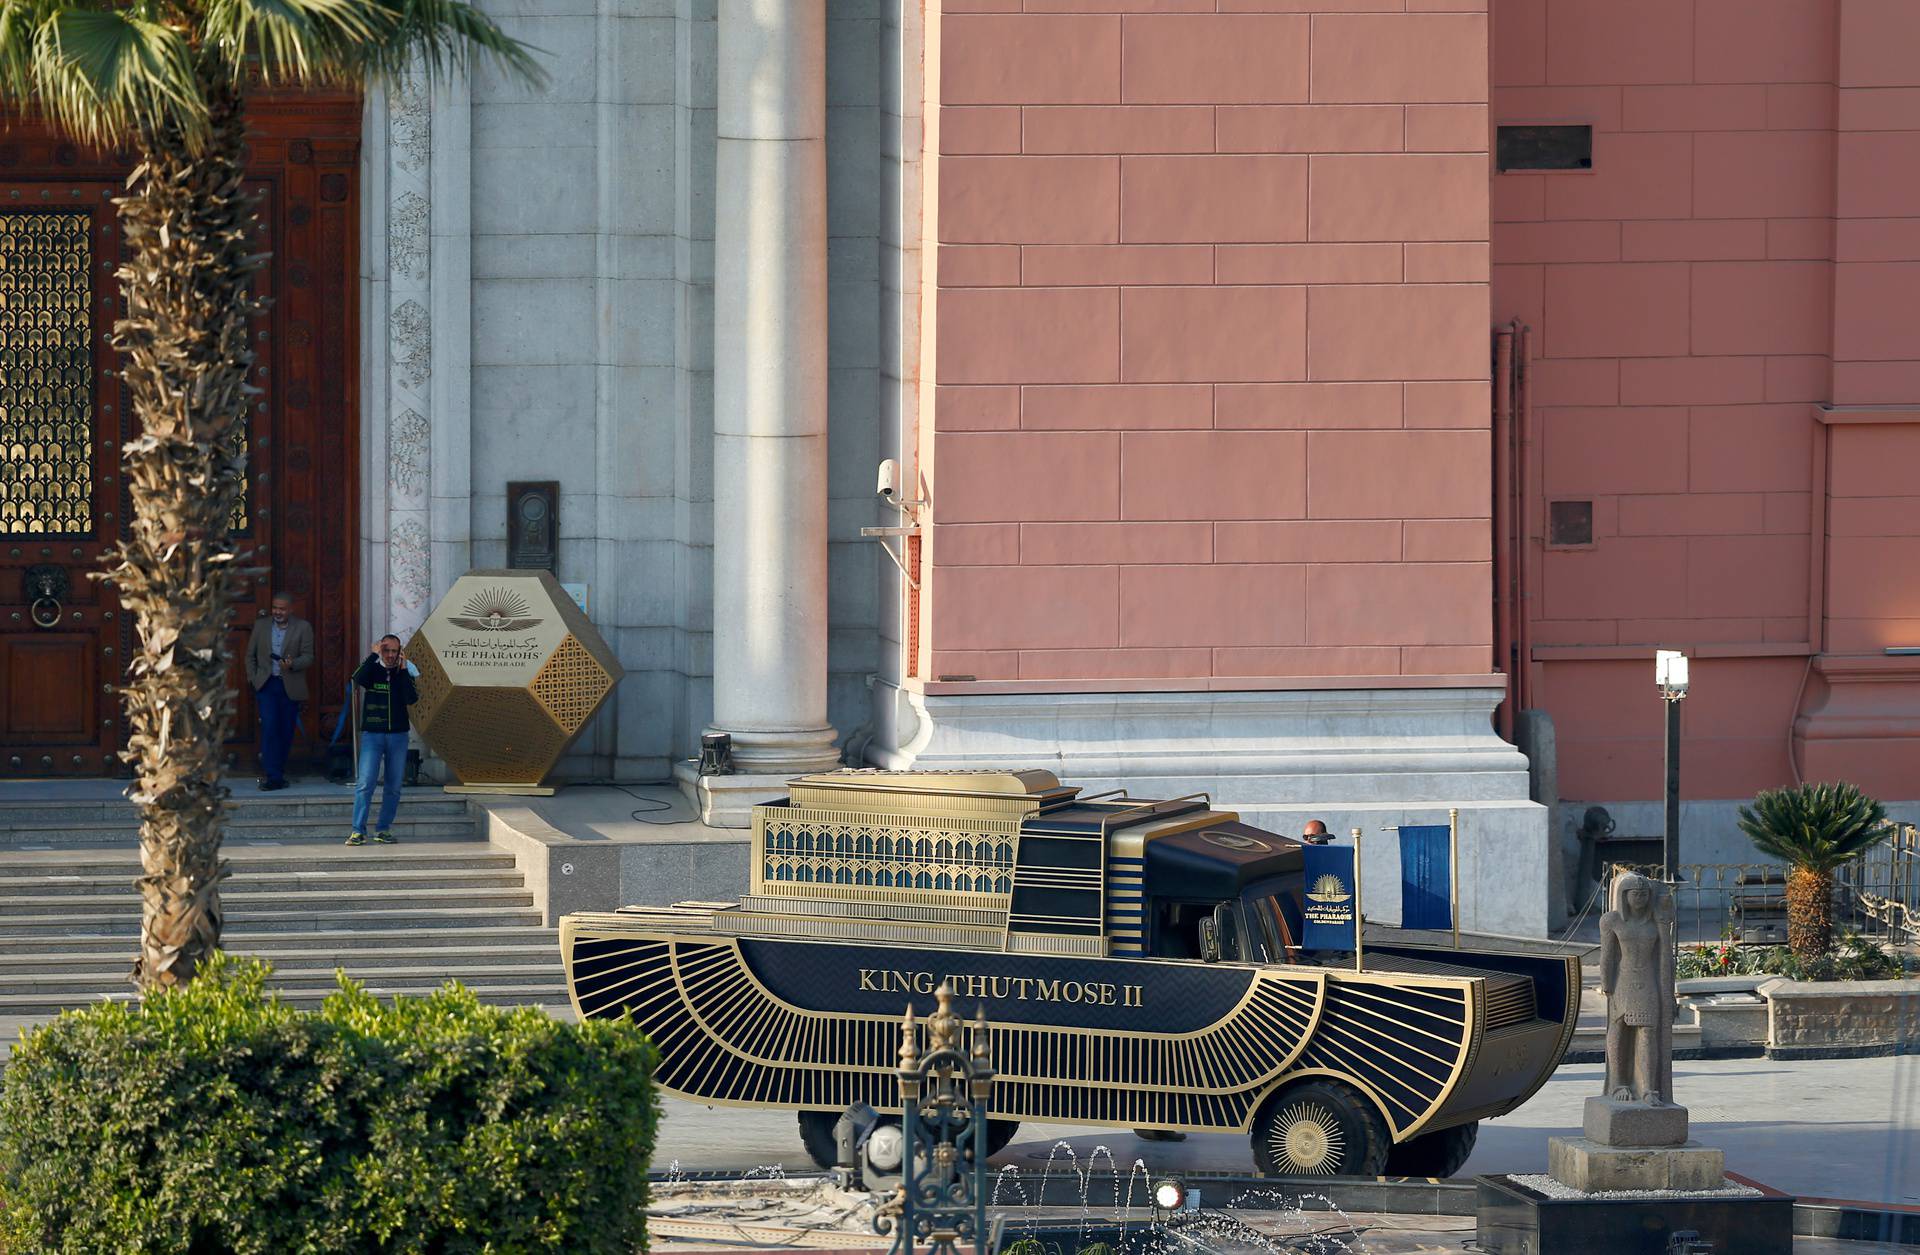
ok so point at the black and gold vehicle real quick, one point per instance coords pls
(1140, 963)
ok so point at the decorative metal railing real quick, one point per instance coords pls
(1883, 886)
(1876, 896)
(942, 1199)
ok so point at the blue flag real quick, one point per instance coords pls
(1426, 877)
(1332, 907)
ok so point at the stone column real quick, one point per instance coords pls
(770, 389)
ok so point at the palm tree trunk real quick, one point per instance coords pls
(1809, 913)
(188, 293)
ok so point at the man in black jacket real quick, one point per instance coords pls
(385, 683)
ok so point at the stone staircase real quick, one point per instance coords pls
(441, 904)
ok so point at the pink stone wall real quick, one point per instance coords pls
(1743, 254)
(1211, 341)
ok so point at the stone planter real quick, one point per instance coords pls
(1839, 1019)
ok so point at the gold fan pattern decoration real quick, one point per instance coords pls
(1329, 888)
(496, 610)
(512, 670)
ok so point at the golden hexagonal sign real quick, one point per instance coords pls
(511, 669)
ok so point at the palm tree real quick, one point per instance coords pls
(169, 79)
(1814, 829)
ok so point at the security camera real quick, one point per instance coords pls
(889, 485)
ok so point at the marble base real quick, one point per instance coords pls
(1589, 1166)
(1634, 1124)
(1514, 1220)
(1367, 758)
(728, 801)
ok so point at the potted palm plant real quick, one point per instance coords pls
(169, 79)
(1814, 829)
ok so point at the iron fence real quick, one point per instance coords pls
(1876, 896)
(1882, 887)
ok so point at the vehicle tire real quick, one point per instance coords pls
(1437, 1154)
(1320, 1128)
(816, 1134)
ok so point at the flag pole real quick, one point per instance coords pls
(1453, 869)
(1359, 914)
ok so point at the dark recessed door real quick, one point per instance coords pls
(64, 639)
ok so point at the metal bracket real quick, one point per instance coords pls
(880, 534)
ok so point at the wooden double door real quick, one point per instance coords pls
(65, 416)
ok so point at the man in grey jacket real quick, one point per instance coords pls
(278, 657)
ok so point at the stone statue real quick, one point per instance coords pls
(1634, 1133)
(1636, 975)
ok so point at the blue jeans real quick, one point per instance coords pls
(278, 714)
(376, 748)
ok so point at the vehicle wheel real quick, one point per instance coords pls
(1320, 1129)
(816, 1134)
(1436, 1154)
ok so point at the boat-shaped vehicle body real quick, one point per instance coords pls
(1139, 962)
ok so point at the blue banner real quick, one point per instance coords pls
(1426, 877)
(1332, 906)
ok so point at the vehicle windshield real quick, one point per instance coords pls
(1274, 919)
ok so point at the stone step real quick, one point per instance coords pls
(98, 957)
(249, 860)
(16, 909)
(246, 879)
(308, 918)
(255, 941)
(77, 988)
(247, 808)
(96, 835)
(552, 996)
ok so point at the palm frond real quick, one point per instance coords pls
(104, 72)
(101, 75)
(293, 42)
(18, 21)
(1815, 826)
(442, 38)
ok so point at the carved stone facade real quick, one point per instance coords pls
(415, 166)
(537, 303)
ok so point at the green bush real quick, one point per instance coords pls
(217, 1119)
(1855, 958)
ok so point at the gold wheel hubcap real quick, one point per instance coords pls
(1310, 1140)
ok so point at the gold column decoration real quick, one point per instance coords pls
(511, 670)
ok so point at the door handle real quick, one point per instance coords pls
(46, 584)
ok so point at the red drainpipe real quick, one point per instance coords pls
(1522, 555)
(1503, 555)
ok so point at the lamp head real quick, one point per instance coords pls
(1670, 672)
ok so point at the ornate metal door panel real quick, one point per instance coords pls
(58, 473)
(63, 637)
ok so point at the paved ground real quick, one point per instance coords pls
(1834, 1128)
(1313, 1233)
(1371, 1234)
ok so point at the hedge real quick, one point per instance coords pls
(219, 1119)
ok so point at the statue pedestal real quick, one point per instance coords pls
(1590, 1167)
(1519, 1216)
(1634, 1146)
(1624, 1188)
(1612, 1122)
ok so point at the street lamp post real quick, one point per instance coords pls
(1670, 670)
